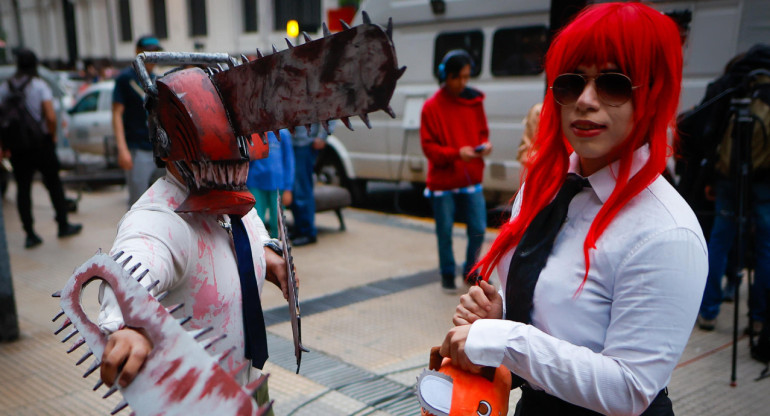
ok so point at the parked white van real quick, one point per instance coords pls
(507, 39)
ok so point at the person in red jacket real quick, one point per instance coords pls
(454, 137)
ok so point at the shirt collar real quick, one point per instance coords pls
(603, 181)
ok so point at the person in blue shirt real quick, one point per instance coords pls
(270, 175)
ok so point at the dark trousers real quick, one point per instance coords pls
(47, 163)
(540, 403)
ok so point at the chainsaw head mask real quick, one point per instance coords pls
(194, 135)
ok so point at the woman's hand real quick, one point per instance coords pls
(454, 348)
(125, 354)
(287, 198)
(481, 302)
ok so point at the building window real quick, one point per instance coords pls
(306, 12)
(125, 21)
(197, 17)
(472, 41)
(519, 50)
(158, 10)
(250, 15)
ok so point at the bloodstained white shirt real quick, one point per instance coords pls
(192, 256)
(613, 347)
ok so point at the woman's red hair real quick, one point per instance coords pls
(645, 45)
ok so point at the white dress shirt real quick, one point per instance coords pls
(612, 347)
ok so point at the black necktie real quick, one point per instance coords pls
(533, 250)
(254, 332)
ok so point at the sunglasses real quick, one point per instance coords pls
(613, 88)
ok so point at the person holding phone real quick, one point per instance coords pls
(603, 263)
(455, 139)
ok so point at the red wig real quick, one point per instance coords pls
(644, 44)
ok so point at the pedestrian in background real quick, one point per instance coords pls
(307, 144)
(129, 124)
(38, 151)
(530, 131)
(271, 175)
(454, 137)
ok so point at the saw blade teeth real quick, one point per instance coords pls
(259, 54)
(111, 391)
(63, 326)
(84, 357)
(256, 384)
(365, 118)
(117, 255)
(141, 276)
(344, 24)
(365, 17)
(58, 315)
(390, 112)
(210, 71)
(98, 384)
(220, 67)
(346, 122)
(56, 294)
(307, 127)
(291, 129)
(76, 345)
(233, 62)
(70, 335)
(389, 29)
(92, 368)
(125, 262)
(288, 42)
(244, 59)
(222, 357)
(326, 30)
(185, 320)
(134, 269)
(307, 37)
(152, 286)
(214, 341)
(401, 72)
(122, 405)
(275, 50)
(203, 332)
(174, 308)
(238, 369)
(265, 410)
(325, 125)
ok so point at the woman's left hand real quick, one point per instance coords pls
(276, 272)
(454, 348)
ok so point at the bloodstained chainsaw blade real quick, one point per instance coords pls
(350, 73)
(293, 288)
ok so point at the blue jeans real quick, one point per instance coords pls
(475, 210)
(138, 178)
(303, 205)
(722, 239)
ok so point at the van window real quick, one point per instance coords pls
(519, 50)
(472, 41)
(87, 103)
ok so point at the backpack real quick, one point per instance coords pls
(19, 131)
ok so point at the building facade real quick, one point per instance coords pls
(68, 32)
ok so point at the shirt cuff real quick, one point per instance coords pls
(487, 341)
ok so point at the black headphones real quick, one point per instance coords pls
(449, 55)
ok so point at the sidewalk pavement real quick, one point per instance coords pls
(372, 308)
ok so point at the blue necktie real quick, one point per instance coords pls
(254, 332)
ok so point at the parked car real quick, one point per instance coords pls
(90, 124)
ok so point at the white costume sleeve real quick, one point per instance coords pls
(158, 239)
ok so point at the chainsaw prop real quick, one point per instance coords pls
(179, 377)
(445, 390)
(207, 124)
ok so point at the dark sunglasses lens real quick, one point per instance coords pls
(567, 88)
(614, 89)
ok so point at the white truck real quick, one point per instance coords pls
(508, 39)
